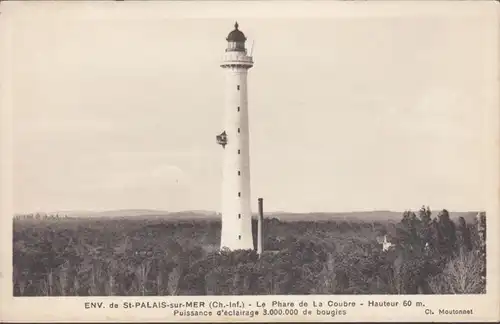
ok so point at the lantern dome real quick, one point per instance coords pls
(236, 35)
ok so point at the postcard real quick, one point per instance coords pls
(256, 161)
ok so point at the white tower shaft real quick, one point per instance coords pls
(236, 230)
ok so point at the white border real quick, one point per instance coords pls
(486, 307)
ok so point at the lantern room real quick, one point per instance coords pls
(236, 40)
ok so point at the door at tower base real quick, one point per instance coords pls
(243, 243)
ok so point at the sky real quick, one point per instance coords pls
(114, 111)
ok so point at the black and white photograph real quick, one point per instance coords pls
(155, 154)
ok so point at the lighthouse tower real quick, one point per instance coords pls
(236, 211)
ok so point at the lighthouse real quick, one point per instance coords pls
(236, 232)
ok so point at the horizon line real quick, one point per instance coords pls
(164, 211)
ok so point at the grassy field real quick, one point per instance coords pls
(150, 255)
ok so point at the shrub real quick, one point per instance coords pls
(461, 275)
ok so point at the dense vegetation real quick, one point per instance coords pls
(153, 256)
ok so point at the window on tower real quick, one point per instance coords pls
(239, 172)
(239, 216)
(238, 130)
(238, 87)
(239, 151)
(239, 194)
(239, 237)
(238, 108)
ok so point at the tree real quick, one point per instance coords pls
(464, 241)
(447, 234)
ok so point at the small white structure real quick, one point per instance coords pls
(236, 217)
(386, 244)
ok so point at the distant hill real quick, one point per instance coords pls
(117, 213)
(282, 216)
(338, 216)
(106, 213)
